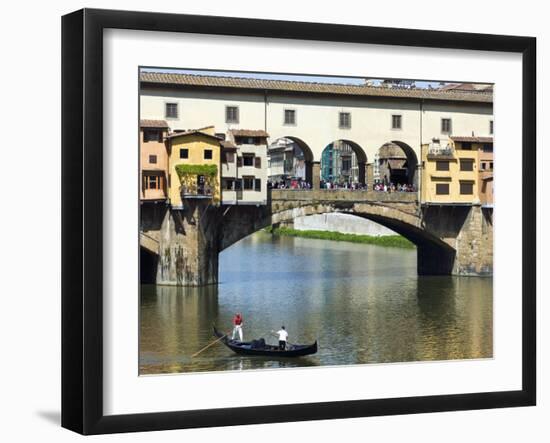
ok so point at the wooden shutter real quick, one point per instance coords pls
(258, 162)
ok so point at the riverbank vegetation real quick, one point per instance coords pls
(395, 241)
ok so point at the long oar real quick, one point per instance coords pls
(207, 346)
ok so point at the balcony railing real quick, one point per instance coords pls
(440, 151)
(196, 192)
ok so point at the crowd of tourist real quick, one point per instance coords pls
(289, 184)
(343, 186)
(378, 186)
(392, 187)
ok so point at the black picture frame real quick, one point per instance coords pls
(82, 215)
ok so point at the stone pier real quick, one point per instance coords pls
(189, 245)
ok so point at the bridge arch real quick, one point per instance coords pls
(398, 163)
(434, 255)
(350, 170)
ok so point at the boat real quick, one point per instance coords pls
(260, 348)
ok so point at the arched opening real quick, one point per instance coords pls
(148, 263)
(343, 163)
(290, 161)
(396, 163)
(435, 257)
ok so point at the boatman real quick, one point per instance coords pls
(283, 335)
(238, 326)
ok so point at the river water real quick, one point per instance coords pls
(363, 303)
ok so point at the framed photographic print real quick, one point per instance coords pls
(273, 221)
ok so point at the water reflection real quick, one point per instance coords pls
(365, 304)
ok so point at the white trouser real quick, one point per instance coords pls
(238, 329)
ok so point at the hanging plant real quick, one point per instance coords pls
(206, 170)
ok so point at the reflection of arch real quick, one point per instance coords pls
(360, 155)
(306, 150)
(411, 160)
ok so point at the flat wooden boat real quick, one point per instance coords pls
(257, 347)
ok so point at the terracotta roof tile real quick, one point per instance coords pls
(226, 144)
(467, 139)
(191, 132)
(172, 79)
(153, 124)
(248, 133)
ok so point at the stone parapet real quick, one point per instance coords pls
(326, 195)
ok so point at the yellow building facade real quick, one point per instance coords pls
(194, 166)
(450, 174)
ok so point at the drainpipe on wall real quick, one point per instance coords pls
(420, 165)
(265, 110)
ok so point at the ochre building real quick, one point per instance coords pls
(194, 166)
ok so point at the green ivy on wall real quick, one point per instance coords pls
(206, 170)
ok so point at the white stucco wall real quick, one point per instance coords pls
(317, 116)
(344, 223)
(198, 108)
(466, 120)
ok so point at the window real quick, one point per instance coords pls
(487, 147)
(208, 154)
(153, 159)
(466, 188)
(248, 183)
(442, 188)
(171, 110)
(446, 125)
(184, 153)
(441, 166)
(231, 114)
(239, 161)
(467, 146)
(229, 184)
(483, 166)
(152, 182)
(258, 184)
(257, 162)
(491, 127)
(290, 117)
(344, 120)
(491, 165)
(230, 157)
(396, 122)
(466, 164)
(152, 135)
(248, 160)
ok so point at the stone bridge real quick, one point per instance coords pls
(181, 247)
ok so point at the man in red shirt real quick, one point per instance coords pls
(238, 326)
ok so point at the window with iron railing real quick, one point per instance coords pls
(396, 121)
(290, 117)
(446, 125)
(171, 110)
(344, 120)
(231, 114)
